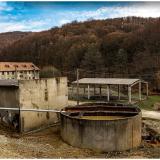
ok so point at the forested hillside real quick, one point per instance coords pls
(129, 46)
(8, 38)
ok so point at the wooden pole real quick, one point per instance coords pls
(77, 86)
(16, 72)
(140, 96)
(147, 89)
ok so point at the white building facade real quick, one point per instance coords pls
(18, 70)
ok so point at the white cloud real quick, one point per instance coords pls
(23, 26)
(147, 9)
(63, 21)
(143, 10)
(5, 7)
(11, 22)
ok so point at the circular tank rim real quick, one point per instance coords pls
(121, 119)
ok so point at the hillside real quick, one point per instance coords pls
(121, 46)
(9, 38)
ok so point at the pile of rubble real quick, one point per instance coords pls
(151, 131)
(10, 120)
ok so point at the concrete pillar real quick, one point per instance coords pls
(84, 90)
(88, 92)
(72, 92)
(94, 90)
(119, 95)
(140, 96)
(129, 94)
(108, 98)
(100, 91)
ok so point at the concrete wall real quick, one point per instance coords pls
(41, 94)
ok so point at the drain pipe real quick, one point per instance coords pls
(32, 110)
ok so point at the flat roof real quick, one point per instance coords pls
(9, 82)
(105, 81)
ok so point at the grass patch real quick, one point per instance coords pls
(149, 103)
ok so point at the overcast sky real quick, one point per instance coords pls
(38, 16)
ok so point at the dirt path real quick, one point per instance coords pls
(44, 144)
(151, 114)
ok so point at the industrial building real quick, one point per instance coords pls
(25, 97)
(18, 70)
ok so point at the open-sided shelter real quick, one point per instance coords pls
(129, 82)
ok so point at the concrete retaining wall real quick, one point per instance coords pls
(41, 94)
(46, 94)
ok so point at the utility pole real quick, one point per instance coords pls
(16, 72)
(77, 74)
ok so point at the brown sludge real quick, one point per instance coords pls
(102, 117)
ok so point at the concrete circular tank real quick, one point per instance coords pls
(102, 126)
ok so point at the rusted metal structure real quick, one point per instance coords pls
(117, 134)
(107, 82)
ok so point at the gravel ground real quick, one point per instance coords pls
(48, 144)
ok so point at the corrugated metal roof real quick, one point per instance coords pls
(9, 82)
(111, 81)
(19, 66)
